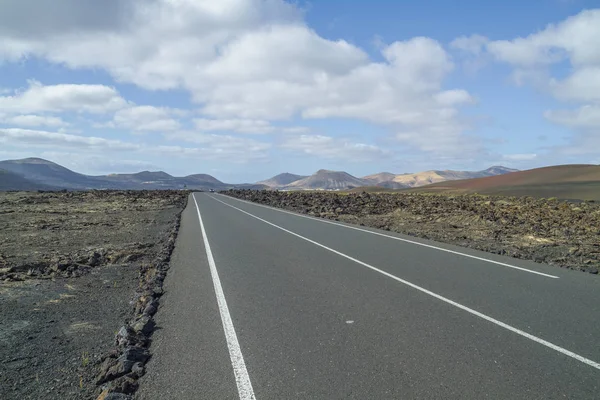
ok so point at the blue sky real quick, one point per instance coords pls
(246, 89)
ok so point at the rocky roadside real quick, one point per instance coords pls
(543, 230)
(80, 279)
(124, 365)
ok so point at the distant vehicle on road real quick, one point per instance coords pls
(212, 190)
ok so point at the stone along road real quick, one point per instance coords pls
(266, 304)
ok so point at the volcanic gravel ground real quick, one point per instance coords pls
(70, 265)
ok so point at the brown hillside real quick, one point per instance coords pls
(563, 181)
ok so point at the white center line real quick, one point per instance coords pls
(397, 238)
(242, 378)
(541, 341)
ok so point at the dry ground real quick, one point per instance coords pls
(70, 265)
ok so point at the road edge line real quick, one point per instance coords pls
(242, 379)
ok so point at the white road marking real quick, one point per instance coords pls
(397, 238)
(529, 336)
(242, 378)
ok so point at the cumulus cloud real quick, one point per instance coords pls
(33, 121)
(333, 148)
(232, 148)
(63, 97)
(533, 57)
(211, 147)
(520, 157)
(249, 60)
(585, 117)
(573, 40)
(252, 126)
(474, 44)
(16, 136)
(146, 118)
(471, 50)
(236, 125)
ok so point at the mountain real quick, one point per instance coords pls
(12, 181)
(497, 170)
(391, 181)
(47, 173)
(281, 180)
(563, 181)
(201, 181)
(36, 173)
(380, 177)
(327, 180)
(339, 180)
(149, 176)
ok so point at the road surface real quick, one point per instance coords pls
(266, 304)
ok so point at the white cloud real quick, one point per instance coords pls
(574, 38)
(146, 118)
(582, 85)
(16, 136)
(471, 50)
(249, 60)
(535, 57)
(34, 120)
(253, 126)
(585, 121)
(211, 147)
(585, 117)
(333, 148)
(235, 125)
(453, 97)
(232, 148)
(474, 44)
(61, 98)
(520, 157)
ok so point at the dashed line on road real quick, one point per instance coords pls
(401, 239)
(244, 385)
(508, 327)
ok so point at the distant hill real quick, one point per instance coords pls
(433, 176)
(327, 180)
(162, 180)
(12, 181)
(37, 173)
(562, 181)
(380, 177)
(281, 180)
(339, 180)
(47, 173)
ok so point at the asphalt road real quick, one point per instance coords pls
(284, 306)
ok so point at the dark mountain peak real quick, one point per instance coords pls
(149, 175)
(203, 178)
(281, 179)
(43, 174)
(501, 168)
(328, 180)
(31, 160)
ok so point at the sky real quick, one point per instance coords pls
(246, 89)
